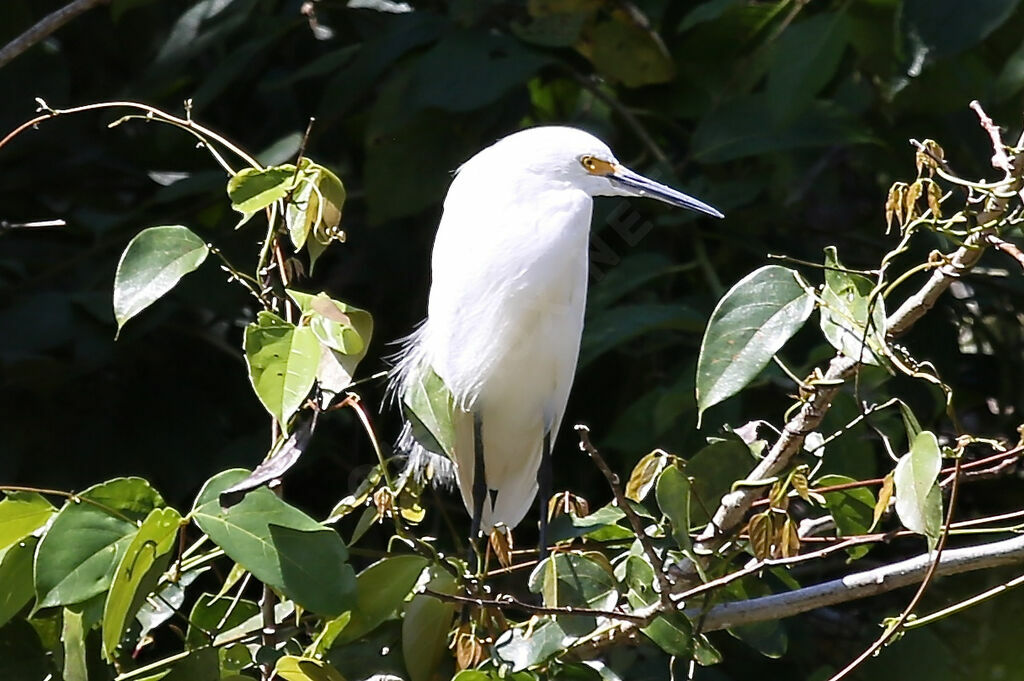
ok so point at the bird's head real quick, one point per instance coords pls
(575, 157)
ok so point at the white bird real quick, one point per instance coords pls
(505, 313)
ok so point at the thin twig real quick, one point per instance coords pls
(508, 601)
(734, 506)
(623, 503)
(1000, 160)
(1006, 247)
(43, 28)
(893, 628)
(631, 120)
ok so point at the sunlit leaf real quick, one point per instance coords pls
(21, 514)
(522, 650)
(293, 668)
(849, 315)
(762, 535)
(152, 264)
(884, 497)
(344, 332)
(429, 407)
(918, 498)
(254, 189)
(380, 590)
(72, 635)
(282, 361)
(645, 475)
(137, 573)
(750, 324)
(575, 579)
(75, 559)
(279, 544)
(16, 578)
(852, 509)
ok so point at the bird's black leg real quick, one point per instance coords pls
(544, 493)
(479, 486)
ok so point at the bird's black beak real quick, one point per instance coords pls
(638, 185)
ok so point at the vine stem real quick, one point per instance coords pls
(70, 496)
(203, 133)
(622, 502)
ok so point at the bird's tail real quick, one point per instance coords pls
(424, 464)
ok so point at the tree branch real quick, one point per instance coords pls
(862, 584)
(734, 506)
(44, 27)
(850, 588)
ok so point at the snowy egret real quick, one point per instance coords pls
(505, 313)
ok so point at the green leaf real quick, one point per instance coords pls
(215, 615)
(315, 206)
(749, 325)
(302, 211)
(201, 664)
(673, 495)
(713, 470)
(72, 636)
(344, 332)
(738, 129)
(21, 514)
(137, 573)
(282, 361)
(673, 633)
(941, 28)
(623, 50)
(846, 310)
(853, 510)
(152, 264)
(615, 326)
(253, 189)
(918, 497)
(280, 545)
(466, 70)
(584, 580)
(380, 590)
(293, 668)
(805, 59)
(600, 525)
(429, 406)
(75, 559)
(523, 651)
(16, 578)
(425, 627)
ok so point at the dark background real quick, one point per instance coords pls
(793, 120)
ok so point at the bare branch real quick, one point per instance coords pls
(862, 584)
(733, 507)
(623, 503)
(502, 601)
(1000, 160)
(44, 27)
(1006, 247)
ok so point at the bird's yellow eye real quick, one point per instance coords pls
(596, 166)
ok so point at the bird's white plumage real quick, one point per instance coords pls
(507, 298)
